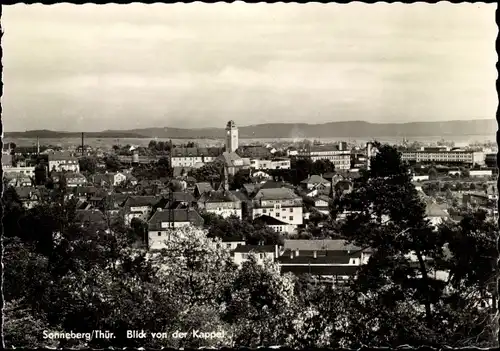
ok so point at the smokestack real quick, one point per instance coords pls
(37, 146)
(83, 138)
(368, 155)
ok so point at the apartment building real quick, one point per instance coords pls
(439, 155)
(337, 154)
(222, 203)
(193, 157)
(63, 161)
(276, 163)
(280, 203)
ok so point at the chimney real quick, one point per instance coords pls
(37, 146)
(276, 251)
(83, 138)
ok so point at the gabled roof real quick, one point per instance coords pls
(434, 210)
(276, 194)
(241, 196)
(232, 239)
(271, 184)
(321, 270)
(141, 201)
(255, 248)
(176, 215)
(89, 216)
(61, 156)
(203, 187)
(315, 179)
(268, 220)
(6, 160)
(322, 198)
(309, 259)
(180, 196)
(218, 196)
(320, 245)
(230, 158)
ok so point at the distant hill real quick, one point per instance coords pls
(50, 134)
(351, 129)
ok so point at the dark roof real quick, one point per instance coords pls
(255, 248)
(228, 239)
(241, 196)
(321, 270)
(84, 190)
(327, 244)
(218, 196)
(271, 184)
(140, 201)
(6, 159)
(268, 220)
(196, 152)
(180, 196)
(90, 216)
(61, 156)
(176, 215)
(203, 187)
(276, 194)
(315, 179)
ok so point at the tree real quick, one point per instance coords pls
(322, 166)
(465, 173)
(391, 220)
(433, 174)
(209, 172)
(113, 164)
(259, 305)
(40, 173)
(240, 178)
(88, 164)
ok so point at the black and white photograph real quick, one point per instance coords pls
(198, 175)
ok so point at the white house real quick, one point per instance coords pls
(162, 225)
(276, 224)
(63, 161)
(222, 203)
(139, 207)
(263, 253)
(281, 203)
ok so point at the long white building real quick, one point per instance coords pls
(337, 154)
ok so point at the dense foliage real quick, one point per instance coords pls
(61, 276)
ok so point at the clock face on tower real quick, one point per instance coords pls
(228, 132)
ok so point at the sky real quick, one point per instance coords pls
(98, 67)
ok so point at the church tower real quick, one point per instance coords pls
(231, 137)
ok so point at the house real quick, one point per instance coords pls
(263, 253)
(434, 213)
(313, 181)
(27, 171)
(63, 161)
(221, 202)
(328, 260)
(6, 160)
(109, 179)
(29, 196)
(480, 173)
(276, 224)
(179, 199)
(130, 179)
(201, 188)
(139, 207)
(75, 179)
(111, 204)
(92, 217)
(476, 199)
(193, 156)
(232, 242)
(18, 180)
(275, 163)
(162, 223)
(84, 192)
(281, 203)
(254, 152)
(260, 176)
(321, 203)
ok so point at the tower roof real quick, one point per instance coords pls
(230, 124)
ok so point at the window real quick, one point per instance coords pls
(291, 218)
(228, 246)
(291, 209)
(264, 210)
(159, 233)
(283, 209)
(261, 256)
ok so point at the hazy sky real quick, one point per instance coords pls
(96, 67)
